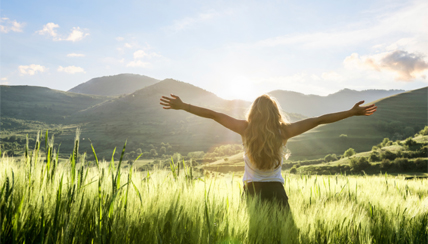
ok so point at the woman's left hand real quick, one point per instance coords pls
(172, 103)
(363, 110)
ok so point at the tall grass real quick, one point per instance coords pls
(73, 202)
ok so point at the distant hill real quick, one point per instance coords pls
(397, 117)
(114, 85)
(42, 104)
(140, 118)
(314, 105)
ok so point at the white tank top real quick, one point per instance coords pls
(252, 174)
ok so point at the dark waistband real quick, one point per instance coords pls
(259, 183)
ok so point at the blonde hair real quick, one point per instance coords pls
(265, 134)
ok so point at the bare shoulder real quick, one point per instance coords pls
(285, 131)
(243, 124)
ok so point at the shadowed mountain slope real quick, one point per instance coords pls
(314, 105)
(43, 104)
(114, 85)
(397, 117)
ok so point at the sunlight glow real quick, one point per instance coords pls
(238, 88)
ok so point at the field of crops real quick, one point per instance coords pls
(42, 201)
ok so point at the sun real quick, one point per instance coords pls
(238, 88)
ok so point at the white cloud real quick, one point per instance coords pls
(3, 81)
(49, 29)
(138, 63)
(31, 69)
(404, 22)
(127, 45)
(315, 77)
(71, 69)
(139, 54)
(411, 44)
(378, 46)
(111, 60)
(142, 54)
(119, 38)
(76, 34)
(10, 25)
(404, 65)
(75, 55)
(186, 22)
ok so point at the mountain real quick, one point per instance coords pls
(397, 117)
(114, 85)
(140, 119)
(314, 105)
(109, 122)
(43, 104)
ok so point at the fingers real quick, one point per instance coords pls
(370, 106)
(167, 101)
(370, 111)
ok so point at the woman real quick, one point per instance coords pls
(264, 134)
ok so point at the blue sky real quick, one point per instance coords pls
(236, 49)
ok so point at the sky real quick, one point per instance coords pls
(235, 49)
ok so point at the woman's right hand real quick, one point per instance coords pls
(173, 102)
(363, 110)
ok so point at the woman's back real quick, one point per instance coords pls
(253, 174)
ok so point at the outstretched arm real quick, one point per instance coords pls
(299, 127)
(174, 102)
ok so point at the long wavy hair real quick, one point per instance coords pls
(265, 134)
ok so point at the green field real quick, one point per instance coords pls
(67, 202)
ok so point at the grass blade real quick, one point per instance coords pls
(116, 179)
(46, 142)
(111, 166)
(95, 155)
(138, 192)
(138, 157)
